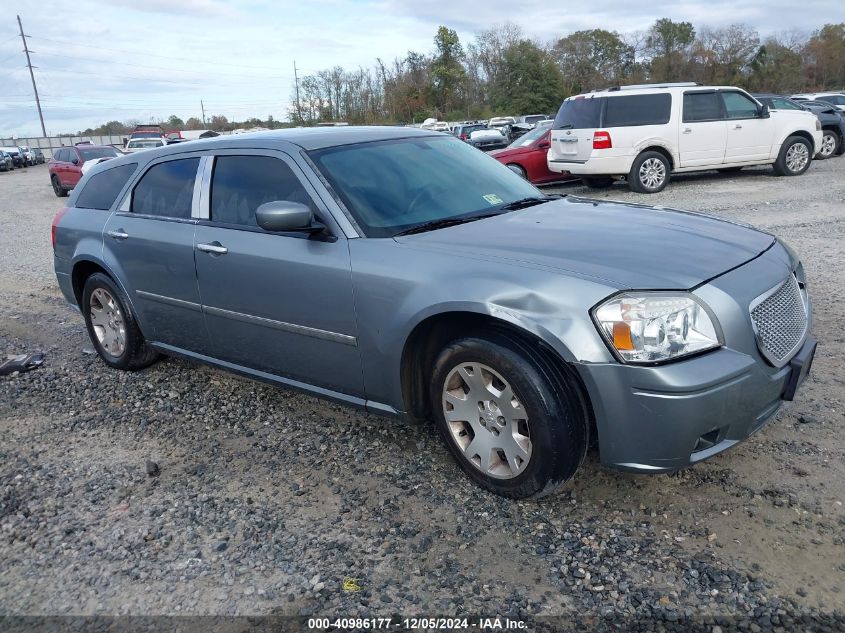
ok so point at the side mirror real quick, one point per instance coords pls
(282, 215)
(764, 112)
(75, 161)
(543, 145)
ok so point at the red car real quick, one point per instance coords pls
(65, 166)
(527, 156)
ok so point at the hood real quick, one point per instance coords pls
(627, 246)
(511, 151)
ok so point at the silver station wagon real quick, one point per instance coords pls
(404, 272)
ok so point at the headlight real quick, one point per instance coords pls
(650, 327)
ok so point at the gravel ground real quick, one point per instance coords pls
(185, 490)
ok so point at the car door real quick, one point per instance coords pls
(702, 136)
(280, 303)
(750, 136)
(149, 242)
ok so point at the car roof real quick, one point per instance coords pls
(620, 91)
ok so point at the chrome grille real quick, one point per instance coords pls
(780, 321)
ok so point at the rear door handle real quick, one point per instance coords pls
(737, 126)
(119, 234)
(215, 248)
(687, 130)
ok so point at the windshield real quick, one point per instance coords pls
(97, 152)
(579, 113)
(529, 137)
(394, 185)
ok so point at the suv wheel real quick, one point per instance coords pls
(830, 144)
(514, 427)
(598, 183)
(649, 173)
(112, 326)
(794, 158)
(60, 191)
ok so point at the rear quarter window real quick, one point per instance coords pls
(630, 110)
(101, 189)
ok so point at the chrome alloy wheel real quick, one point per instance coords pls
(797, 157)
(828, 145)
(486, 420)
(652, 173)
(107, 321)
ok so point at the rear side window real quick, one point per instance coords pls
(167, 189)
(102, 189)
(653, 109)
(241, 184)
(579, 113)
(702, 106)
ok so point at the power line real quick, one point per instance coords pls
(32, 76)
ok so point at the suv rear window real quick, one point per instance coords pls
(579, 113)
(102, 188)
(649, 109)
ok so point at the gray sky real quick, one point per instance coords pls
(102, 60)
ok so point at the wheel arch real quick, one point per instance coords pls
(660, 149)
(803, 134)
(85, 266)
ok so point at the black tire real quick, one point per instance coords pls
(831, 144)
(60, 191)
(596, 182)
(554, 407)
(730, 170)
(782, 164)
(136, 353)
(518, 169)
(656, 164)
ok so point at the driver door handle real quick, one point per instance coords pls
(118, 234)
(215, 249)
(737, 126)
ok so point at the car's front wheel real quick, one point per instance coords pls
(830, 144)
(112, 326)
(518, 170)
(516, 426)
(649, 173)
(794, 158)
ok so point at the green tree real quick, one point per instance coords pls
(669, 45)
(447, 72)
(194, 124)
(528, 81)
(775, 67)
(175, 123)
(593, 59)
(824, 55)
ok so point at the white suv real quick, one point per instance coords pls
(645, 133)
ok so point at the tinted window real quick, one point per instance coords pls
(579, 113)
(396, 185)
(58, 155)
(651, 109)
(702, 106)
(98, 152)
(241, 184)
(101, 189)
(782, 103)
(738, 106)
(834, 99)
(167, 189)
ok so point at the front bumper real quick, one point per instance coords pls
(667, 417)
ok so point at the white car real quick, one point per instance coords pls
(140, 144)
(835, 98)
(488, 139)
(645, 133)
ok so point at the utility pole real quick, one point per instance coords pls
(202, 107)
(296, 82)
(32, 76)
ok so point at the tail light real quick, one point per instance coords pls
(601, 140)
(56, 221)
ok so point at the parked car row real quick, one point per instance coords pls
(644, 134)
(69, 164)
(831, 117)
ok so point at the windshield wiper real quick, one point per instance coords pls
(443, 223)
(523, 203)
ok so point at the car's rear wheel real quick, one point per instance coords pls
(830, 144)
(518, 170)
(514, 425)
(794, 158)
(594, 182)
(60, 191)
(112, 326)
(649, 173)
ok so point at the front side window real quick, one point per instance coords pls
(102, 188)
(396, 185)
(241, 184)
(702, 106)
(653, 109)
(738, 106)
(167, 189)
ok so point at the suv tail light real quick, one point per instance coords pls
(56, 221)
(601, 140)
